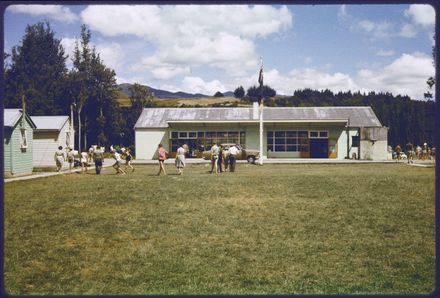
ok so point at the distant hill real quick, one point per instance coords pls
(158, 93)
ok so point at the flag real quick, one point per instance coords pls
(260, 77)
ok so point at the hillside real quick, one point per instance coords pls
(163, 98)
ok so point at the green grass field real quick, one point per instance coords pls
(296, 229)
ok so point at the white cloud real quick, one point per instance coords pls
(421, 14)
(193, 84)
(375, 30)
(111, 54)
(384, 53)
(408, 30)
(220, 36)
(68, 45)
(56, 12)
(406, 75)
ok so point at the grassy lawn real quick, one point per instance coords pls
(299, 229)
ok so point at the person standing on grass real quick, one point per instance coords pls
(117, 164)
(84, 157)
(180, 159)
(98, 157)
(162, 155)
(70, 159)
(233, 151)
(409, 152)
(220, 159)
(225, 156)
(128, 158)
(59, 158)
(215, 151)
(398, 150)
(90, 155)
(186, 148)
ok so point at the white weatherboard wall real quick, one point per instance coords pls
(342, 143)
(147, 140)
(46, 142)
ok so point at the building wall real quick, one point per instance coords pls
(146, 141)
(47, 142)
(374, 150)
(20, 160)
(342, 143)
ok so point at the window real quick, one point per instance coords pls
(284, 141)
(355, 141)
(318, 134)
(313, 134)
(323, 134)
(205, 139)
(67, 139)
(23, 139)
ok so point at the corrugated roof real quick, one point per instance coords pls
(159, 117)
(49, 122)
(11, 116)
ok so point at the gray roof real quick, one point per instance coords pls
(11, 117)
(159, 117)
(50, 122)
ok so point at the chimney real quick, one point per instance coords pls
(255, 110)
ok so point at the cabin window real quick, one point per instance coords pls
(23, 139)
(355, 141)
(67, 139)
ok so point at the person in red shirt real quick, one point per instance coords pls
(162, 155)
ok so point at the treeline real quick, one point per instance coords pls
(408, 120)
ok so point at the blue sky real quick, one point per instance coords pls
(209, 48)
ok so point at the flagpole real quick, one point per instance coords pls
(260, 80)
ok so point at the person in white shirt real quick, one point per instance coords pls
(180, 159)
(117, 164)
(233, 151)
(215, 151)
(84, 158)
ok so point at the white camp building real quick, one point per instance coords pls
(51, 132)
(288, 132)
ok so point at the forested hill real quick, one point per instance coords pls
(408, 120)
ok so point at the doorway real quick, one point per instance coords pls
(318, 148)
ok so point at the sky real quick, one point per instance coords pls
(210, 48)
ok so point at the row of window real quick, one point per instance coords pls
(292, 140)
(203, 140)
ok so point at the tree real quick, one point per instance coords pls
(239, 92)
(93, 87)
(140, 97)
(218, 94)
(255, 92)
(38, 70)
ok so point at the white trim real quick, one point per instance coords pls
(265, 121)
(23, 138)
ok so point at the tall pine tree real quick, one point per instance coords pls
(37, 70)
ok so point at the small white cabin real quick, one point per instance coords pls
(51, 132)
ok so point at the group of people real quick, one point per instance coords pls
(220, 156)
(421, 153)
(223, 156)
(95, 154)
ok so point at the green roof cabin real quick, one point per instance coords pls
(18, 143)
